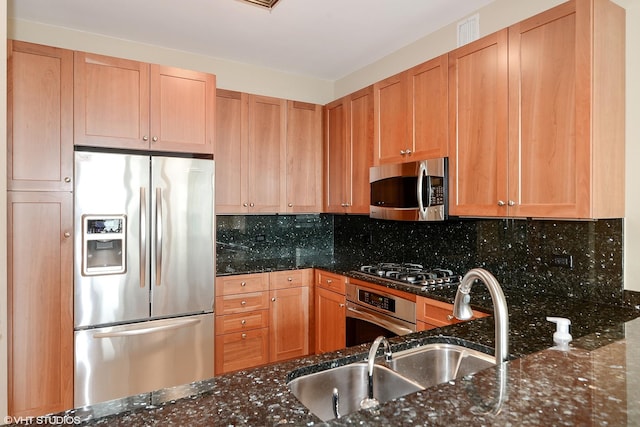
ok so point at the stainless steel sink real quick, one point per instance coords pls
(408, 371)
(315, 391)
(434, 364)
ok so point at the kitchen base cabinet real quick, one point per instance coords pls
(241, 350)
(40, 302)
(432, 314)
(330, 316)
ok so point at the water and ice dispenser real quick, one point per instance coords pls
(104, 244)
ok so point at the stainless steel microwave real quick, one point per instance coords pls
(415, 191)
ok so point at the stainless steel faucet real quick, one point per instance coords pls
(462, 310)
(370, 401)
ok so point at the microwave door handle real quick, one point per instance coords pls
(421, 175)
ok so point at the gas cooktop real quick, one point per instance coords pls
(411, 274)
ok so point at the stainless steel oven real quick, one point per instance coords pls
(371, 313)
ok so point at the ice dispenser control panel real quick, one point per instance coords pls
(103, 244)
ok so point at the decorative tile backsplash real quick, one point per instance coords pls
(521, 253)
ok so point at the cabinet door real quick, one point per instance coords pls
(478, 120)
(304, 157)
(111, 102)
(182, 104)
(289, 327)
(231, 151)
(360, 152)
(266, 160)
(567, 69)
(391, 129)
(241, 350)
(428, 103)
(336, 170)
(330, 321)
(39, 118)
(40, 292)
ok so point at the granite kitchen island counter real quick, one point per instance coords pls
(596, 382)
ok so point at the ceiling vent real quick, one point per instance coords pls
(267, 4)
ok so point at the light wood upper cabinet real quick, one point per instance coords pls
(304, 158)
(543, 137)
(348, 125)
(411, 114)
(478, 132)
(40, 302)
(39, 118)
(566, 112)
(120, 103)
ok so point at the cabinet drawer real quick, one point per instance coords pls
(331, 281)
(242, 283)
(240, 303)
(290, 278)
(241, 350)
(242, 322)
(438, 313)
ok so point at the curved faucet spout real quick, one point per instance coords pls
(462, 310)
(370, 401)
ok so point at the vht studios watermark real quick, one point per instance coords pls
(44, 420)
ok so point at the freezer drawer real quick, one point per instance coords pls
(121, 361)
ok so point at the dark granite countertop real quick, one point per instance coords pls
(596, 382)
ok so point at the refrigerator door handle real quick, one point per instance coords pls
(144, 331)
(143, 236)
(158, 236)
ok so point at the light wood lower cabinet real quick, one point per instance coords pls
(40, 302)
(330, 306)
(261, 318)
(432, 314)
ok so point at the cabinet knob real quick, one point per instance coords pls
(329, 281)
(273, 299)
(67, 179)
(67, 234)
(243, 303)
(450, 317)
(500, 203)
(408, 152)
(245, 204)
(244, 336)
(511, 203)
(341, 305)
(290, 279)
(145, 138)
(290, 205)
(251, 205)
(244, 322)
(243, 284)
(402, 152)
(154, 139)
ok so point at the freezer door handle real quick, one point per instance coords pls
(158, 236)
(144, 331)
(143, 236)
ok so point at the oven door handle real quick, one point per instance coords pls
(377, 319)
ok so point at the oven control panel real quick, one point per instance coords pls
(377, 300)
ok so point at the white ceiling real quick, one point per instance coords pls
(325, 39)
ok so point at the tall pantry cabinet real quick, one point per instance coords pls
(40, 228)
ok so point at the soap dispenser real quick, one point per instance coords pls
(561, 337)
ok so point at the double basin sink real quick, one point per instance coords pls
(341, 390)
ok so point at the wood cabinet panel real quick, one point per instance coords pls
(391, 130)
(241, 350)
(40, 302)
(182, 110)
(242, 322)
(290, 278)
(330, 313)
(303, 158)
(39, 117)
(331, 281)
(348, 124)
(242, 283)
(120, 103)
(229, 304)
(289, 327)
(432, 313)
(478, 108)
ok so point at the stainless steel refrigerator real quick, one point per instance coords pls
(144, 269)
